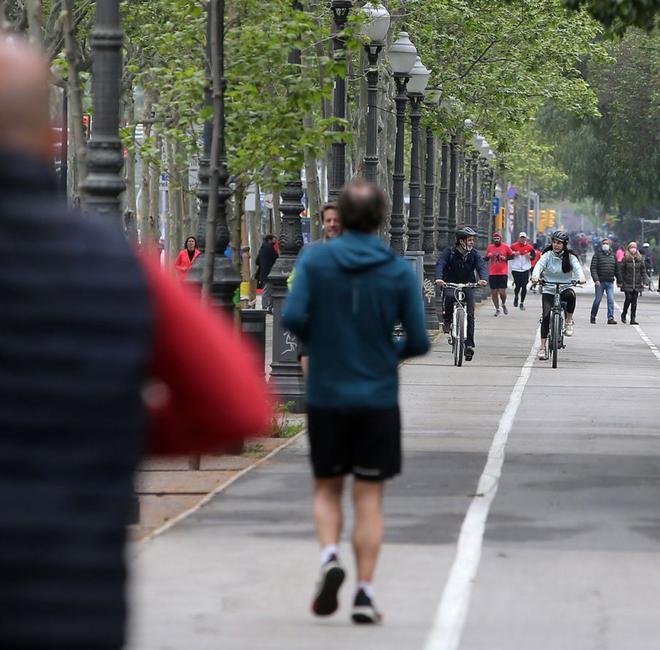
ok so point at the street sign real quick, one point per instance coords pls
(512, 192)
(496, 205)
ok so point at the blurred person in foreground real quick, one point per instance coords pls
(345, 301)
(103, 359)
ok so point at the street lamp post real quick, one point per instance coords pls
(104, 184)
(452, 190)
(340, 10)
(375, 29)
(402, 56)
(286, 370)
(432, 99)
(419, 77)
(226, 278)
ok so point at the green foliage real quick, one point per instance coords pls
(616, 159)
(618, 15)
(281, 426)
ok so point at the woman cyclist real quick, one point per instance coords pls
(558, 264)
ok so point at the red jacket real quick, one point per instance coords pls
(208, 390)
(183, 262)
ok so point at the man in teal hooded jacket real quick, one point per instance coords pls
(347, 297)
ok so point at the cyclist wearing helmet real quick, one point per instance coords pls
(459, 265)
(558, 264)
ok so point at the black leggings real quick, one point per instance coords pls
(567, 297)
(631, 301)
(521, 278)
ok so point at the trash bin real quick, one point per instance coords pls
(253, 324)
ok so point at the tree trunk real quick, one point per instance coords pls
(144, 208)
(153, 234)
(35, 26)
(77, 135)
(236, 226)
(277, 217)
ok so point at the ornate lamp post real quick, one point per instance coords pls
(443, 230)
(340, 10)
(286, 371)
(105, 160)
(419, 78)
(483, 207)
(432, 99)
(225, 277)
(402, 56)
(375, 29)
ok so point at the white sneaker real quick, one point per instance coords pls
(569, 329)
(497, 313)
(543, 354)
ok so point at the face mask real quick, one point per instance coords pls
(606, 248)
(633, 251)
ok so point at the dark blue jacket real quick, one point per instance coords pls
(75, 345)
(453, 266)
(346, 298)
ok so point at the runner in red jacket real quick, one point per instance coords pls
(187, 257)
(498, 256)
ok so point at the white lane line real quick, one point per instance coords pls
(453, 607)
(643, 336)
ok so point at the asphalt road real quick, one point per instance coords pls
(550, 541)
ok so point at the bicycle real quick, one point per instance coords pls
(557, 330)
(458, 332)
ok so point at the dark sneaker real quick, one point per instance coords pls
(623, 318)
(469, 353)
(522, 306)
(592, 320)
(505, 311)
(633, 322)
(364, 610)
(332, 577)
(515, 301)
(611, 321)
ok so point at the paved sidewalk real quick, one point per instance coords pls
(570, 551)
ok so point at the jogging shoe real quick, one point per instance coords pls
(623, 317)
(332, 577)
(505, 311)
(364, 611)
(633, 322)
(611, 321)
(522, 306)
(497, 313)
(592, 320)
(515, 301)
(543, 354)
(469, 353)
(569, 329)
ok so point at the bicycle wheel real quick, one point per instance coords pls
(555, 335)
(459, 336)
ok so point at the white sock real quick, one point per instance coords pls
(367, 588)
(327, 552)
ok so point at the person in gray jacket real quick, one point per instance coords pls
(603, 273)
(631, 278)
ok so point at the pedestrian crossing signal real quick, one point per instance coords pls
(87, 125)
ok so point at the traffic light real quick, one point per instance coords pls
(543, 220)
(87, 124)
(552, 218)
(499, 219)
(531, 216)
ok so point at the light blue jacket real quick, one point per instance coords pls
(550, 266)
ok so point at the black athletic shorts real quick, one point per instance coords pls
(362, 442)
(498, 281)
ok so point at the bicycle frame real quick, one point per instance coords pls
(459, 320)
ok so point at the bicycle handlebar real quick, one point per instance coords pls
(574, 283)
(466, 285)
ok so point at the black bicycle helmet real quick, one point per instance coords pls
(560, 235)
(464, 232)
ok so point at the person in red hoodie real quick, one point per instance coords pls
(498, 256)
(187, 257)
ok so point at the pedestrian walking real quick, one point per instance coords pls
(521, 266)
(603, 273)
(103, 357)
(631, 278)
(648, 263)
(186, 258)
(345, 301)
(331, 224)
(266, 258)
(498, 256)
